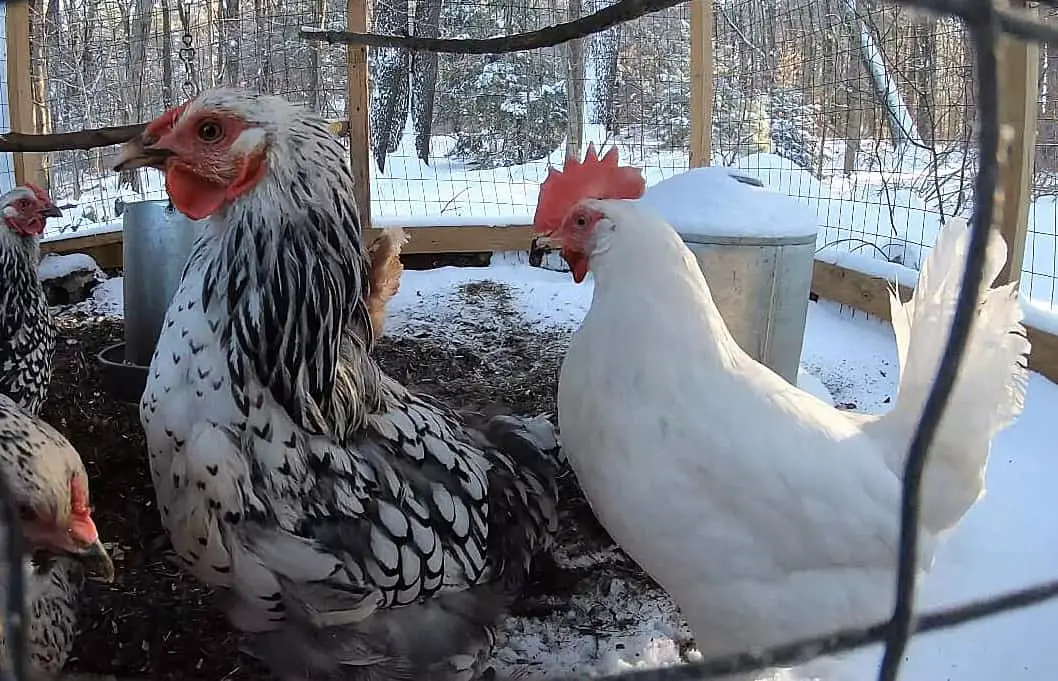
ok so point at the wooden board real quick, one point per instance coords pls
(701, 82)
(467, 239)
(20, 88)
(1019, 96)
(358, 109)
(870, 294)
(863, 292)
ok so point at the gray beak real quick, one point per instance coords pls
(136, 153)
(96, 561)
(544, 242)
(51, 212)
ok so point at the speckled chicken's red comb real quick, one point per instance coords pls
(594, 178)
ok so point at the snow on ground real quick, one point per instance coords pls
(882, 212)
(1007, 541)
(55, 266)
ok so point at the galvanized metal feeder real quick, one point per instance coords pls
(756, 249)
(156, 243)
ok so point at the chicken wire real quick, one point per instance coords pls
(100, 63)
(983, 20)
(7, 160)
(865, 110)
(479, 136)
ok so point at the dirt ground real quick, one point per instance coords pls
(155, 622)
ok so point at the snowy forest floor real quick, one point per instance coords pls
(491, 339)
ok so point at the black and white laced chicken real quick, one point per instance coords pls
(49, 487)
(356, 530)
(27, 332)
(48, 481)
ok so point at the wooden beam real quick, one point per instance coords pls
(79, 244)
(1019, 96)
(106, 248)
(358, 110)
(20, 87)
(701, 82)
(870, 294)
(463, 239)
(1043, 359)
(855, 289)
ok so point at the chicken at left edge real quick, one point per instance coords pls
(43, 471)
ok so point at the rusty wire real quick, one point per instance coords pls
(986, 22)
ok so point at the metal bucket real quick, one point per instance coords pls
(157, 243)
(761, 286)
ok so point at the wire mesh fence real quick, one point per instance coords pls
(480, 135)
(453, 136)
(864, 110)
(801, 53)
(7, 167)
(100, 63)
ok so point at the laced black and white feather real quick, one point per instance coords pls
(27, 331)
(358, 530)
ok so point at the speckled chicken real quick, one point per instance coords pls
(49, 487)
(27, 332)
(354, 529)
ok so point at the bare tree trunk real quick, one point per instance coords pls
(390, 71)
(601, 72)
(424, 76)
(167, 55)
(924, 72)
(139, 30)
(314, 61)
(231, 32)
(1047, 143)
(264, 45)
(43, 30)
(574, 86)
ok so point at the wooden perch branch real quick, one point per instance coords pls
(17, 142)
(622, 12)
(65, 141)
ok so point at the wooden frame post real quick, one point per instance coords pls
(358, 109)
(1019, 97)
(701, 83)
(20, 87)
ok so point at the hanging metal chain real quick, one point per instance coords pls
(187, 52)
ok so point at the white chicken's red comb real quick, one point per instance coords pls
(594, 178)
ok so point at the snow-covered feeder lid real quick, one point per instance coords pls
(707, 205)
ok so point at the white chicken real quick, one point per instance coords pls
(767, 514)
(355, 530)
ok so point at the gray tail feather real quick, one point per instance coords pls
(527, 461)
(449, 637)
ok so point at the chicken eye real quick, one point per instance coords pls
(581, 221)
(210, 131)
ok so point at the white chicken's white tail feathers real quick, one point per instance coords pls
(989, 391)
